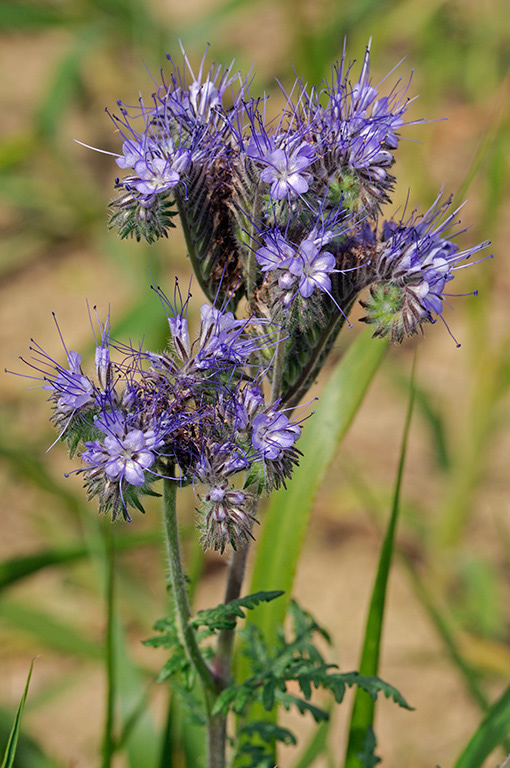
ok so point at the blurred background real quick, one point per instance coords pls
(446, 641)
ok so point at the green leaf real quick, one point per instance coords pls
(225, 616)
(269, 732)
(367, 757)
(302, 706)
(20, 567)
(49, 631)
(287, 517)
(493, 730)
(12, 744)
(363, 709)
(373, 686)
(288, 514)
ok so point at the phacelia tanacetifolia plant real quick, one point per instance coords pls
(283, 218)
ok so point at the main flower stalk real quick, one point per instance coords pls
(216, 724)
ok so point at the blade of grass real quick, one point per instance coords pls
(108, 742)
(288, 514)
(18, 568)
(10, 751)
(315, 747)
(141, 744)
(362, 717)
(493, 730)
(28, 753)
(48, 631)
(442, 624)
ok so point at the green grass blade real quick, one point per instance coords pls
(363, 709)
(493, 730)
(48, 631)
(28, 752)
(17, 568)
(439, 620)
(288, 514)
(315, 747)
(109, 717)
(142, 743)
(287, 517)
(12, 744)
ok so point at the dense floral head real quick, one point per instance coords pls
(412, 263)
(281, 213)
(191, 413)
(358, 129)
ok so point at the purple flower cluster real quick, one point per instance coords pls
(273, 206)
(414, 261)
(299, 269)
(182, 125)
(190, 413)
(282, 213)
(285, 210)
(359, 128)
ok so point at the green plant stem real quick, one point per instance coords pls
(278, 360)
(108, 745)
(310, 370)
(216, 724)
(236, 570)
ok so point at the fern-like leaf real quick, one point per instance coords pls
(225, 616)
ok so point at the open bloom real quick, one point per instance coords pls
(285, 171)
(124, 454)
(272, 433)
(312, 268)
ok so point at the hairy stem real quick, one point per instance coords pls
(216, 724)
(108, 744)
(225, 645)
(278, 363)
(309, 372)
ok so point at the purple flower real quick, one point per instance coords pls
(277, 253)
(222, 339)
(71, 388)
(300, 268)
(273, 433)
(158, 158)
(156, 174)
(284, 171)
(312, 267)
(413, 261)
(201, 102)
(123, 456)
